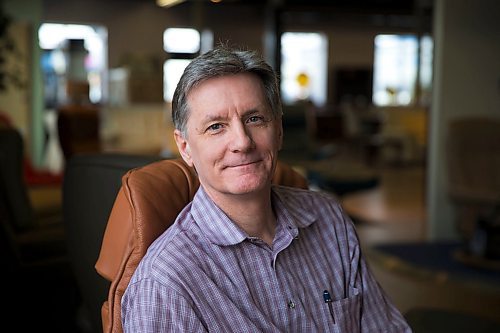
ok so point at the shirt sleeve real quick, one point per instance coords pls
(148, 306)
(378, 313)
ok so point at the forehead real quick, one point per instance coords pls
(227, 91)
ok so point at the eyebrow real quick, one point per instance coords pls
(210, 118)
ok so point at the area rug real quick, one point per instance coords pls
(435, 258)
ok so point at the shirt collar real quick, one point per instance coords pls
(214, 223)
(293, 216)
(220, 230)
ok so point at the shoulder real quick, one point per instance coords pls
(306, 198)
(300, 192)
(149, 306)
(318, 208)
(172, 255)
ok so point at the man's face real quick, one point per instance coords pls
(232, 139)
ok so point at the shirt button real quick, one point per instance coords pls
(291, 304)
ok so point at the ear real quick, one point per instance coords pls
(279, 130)
(183, 147)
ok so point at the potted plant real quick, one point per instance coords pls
(9, 73)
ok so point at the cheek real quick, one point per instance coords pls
(206, 151)
(273, 139)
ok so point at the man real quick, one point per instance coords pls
(245, 255)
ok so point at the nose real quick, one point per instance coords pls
(241, 138)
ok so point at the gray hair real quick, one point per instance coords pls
(223, 61)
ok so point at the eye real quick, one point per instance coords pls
(255, 119)
(214, 127)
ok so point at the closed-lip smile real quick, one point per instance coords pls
(242, 164)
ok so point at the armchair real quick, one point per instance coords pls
(91, 182)
(29, 239)
(147, 204)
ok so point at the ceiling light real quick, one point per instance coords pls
(168, 3)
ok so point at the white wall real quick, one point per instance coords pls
(466, 82)
(28, 104)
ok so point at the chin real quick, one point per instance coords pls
(247, 185)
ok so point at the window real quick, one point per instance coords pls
(182, 45)
(304, 67)
(73, 52)
(172, 69)
(181, 40)
(397, 62)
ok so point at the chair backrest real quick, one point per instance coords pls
(473, 152)
(147, 204)
(16, 211)
(15, 205)
(32, 236)
(78, 128)
(473, 164)
(91, 183)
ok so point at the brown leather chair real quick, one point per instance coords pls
(147, 204)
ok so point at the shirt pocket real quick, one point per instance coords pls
(346, 313)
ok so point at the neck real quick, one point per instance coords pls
(254, 214)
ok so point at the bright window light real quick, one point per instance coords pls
(181, 40)
(395, 69)
(172, 72)
(304, 67)
(52, 37)
(426, 59)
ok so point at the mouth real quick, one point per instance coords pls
(242, 164)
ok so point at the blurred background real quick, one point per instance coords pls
(391, 105)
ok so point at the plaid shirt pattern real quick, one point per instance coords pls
(205, 274)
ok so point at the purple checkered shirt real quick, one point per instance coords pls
(205, 274)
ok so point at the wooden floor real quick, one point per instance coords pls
(395, 210)
(400, 198)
